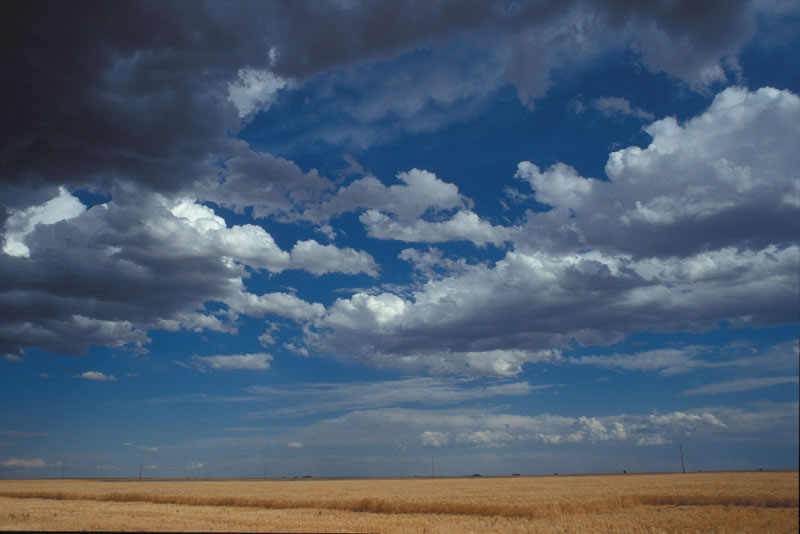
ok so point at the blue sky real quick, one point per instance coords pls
(339, 238)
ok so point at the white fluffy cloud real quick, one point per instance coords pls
(321, 259)
(253, 246)
(233, 362)
(691, 189)
(462, 226)
(96, 376)
(422, 208)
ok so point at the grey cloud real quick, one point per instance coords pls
(615, 105)
(494, 319)
(102, 277)
(121, 91)
(139, 91)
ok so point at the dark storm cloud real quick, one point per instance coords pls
(99, 91)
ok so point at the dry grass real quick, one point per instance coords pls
(716, 502)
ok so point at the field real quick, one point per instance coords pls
(653, 503)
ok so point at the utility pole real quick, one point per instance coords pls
(683, 465)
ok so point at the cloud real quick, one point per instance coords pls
(193, 466)
(255, 90)
(686, 192)
(93, 273)
(96, 376)
(203, 78)
(463, 226)
(677, 361)
(660, 247)
(303, 399)
(483, 320)
(614, 105)
(11, 353)
(421, 208)
(434, 439)
(743, 384)
(23, 463)
(151, 450)
(321, 259)
(465, 428)
(234, 362)
(655, 439)
(294, 445)
(21, 223)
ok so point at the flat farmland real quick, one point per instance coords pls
(692, 502)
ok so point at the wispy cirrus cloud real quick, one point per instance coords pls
(742, 384)
(23, 463)
(302, 399)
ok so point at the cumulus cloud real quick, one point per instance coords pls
(96, 376)
(479, 320)
(686, 192)
(421, 208)
(659, 247)
(233, 362)
(655, 439)
(94, 273)
(321, 259)
(294, 445)
(21, 223)
(470, 428)
(434, 439)
(463, 226)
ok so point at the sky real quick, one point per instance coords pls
(342, 238)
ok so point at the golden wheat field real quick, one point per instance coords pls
(653, 503)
